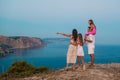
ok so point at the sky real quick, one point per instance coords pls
(43, 18)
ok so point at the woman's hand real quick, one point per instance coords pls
(66, 35)
(58, 33)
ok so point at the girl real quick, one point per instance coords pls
(72, 50)
(92, 28)
(80, 52)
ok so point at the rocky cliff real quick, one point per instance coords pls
(99, 72)
(19, 42)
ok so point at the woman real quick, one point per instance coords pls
(72, 50)
(80, 52)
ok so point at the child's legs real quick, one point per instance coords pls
(82, 60)
(79, 58)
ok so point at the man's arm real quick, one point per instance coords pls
(90, 40)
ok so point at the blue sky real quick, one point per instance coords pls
(43, 18)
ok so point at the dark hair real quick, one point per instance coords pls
(80, 38)
(74, 34)
(89, 27)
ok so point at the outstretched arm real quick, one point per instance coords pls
(66, 35)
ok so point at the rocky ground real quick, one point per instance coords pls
(99, 72)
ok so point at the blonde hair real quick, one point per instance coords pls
(80, 38)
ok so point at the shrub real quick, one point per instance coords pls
(41, 69)
(22, 69)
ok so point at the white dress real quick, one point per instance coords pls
(72, 53)
(80, 51)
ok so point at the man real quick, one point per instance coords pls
(91, 45)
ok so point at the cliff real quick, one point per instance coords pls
(99, 72)
(19, 42)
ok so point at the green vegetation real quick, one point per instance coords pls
(23, 69)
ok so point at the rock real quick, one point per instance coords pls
(9, 44)
(21, 42)
(99, 72)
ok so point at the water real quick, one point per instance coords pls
(54, 55)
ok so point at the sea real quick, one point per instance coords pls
(53, 55)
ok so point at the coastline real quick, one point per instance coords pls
(13, 43)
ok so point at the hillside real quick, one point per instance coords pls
(19, 42)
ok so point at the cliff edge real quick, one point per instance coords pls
(99, 72)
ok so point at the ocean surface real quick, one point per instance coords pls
(53, 55)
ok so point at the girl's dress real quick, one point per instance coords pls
(72, 53)
(80, 51)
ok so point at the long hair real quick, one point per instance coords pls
(74, 34)
(92, 22)
(80, 38)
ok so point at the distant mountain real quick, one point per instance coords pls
(56, 40)
(19, 42)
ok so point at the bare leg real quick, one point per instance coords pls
(83, 64)
(79, 58)
(82, 60)
(67, 66)
(92, 60)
